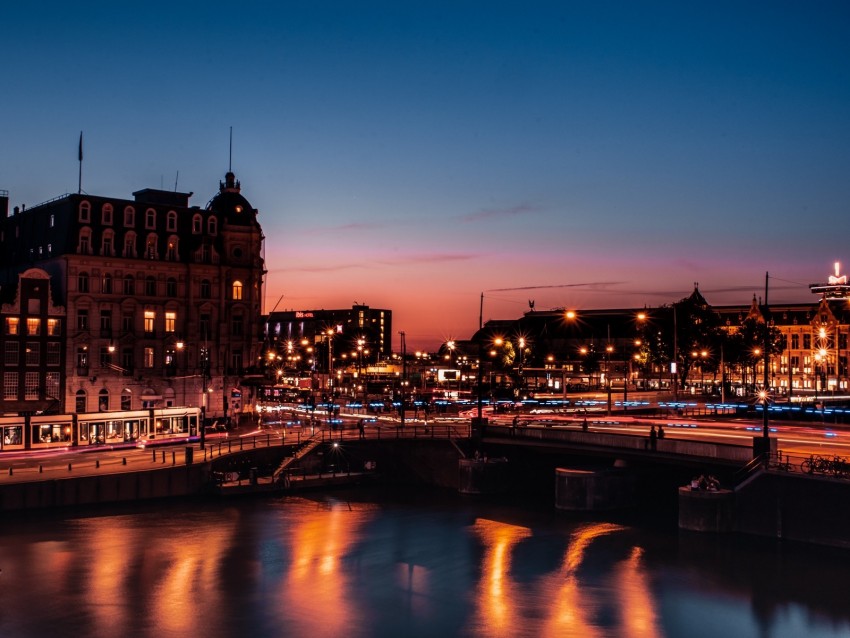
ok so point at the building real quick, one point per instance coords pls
(158, 302)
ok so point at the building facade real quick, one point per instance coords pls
(159, 302)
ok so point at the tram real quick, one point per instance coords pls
(132, 427)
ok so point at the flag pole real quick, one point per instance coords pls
(80, 159)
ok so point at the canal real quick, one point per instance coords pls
(360, 563)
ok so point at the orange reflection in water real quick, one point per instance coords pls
(574, 606)
(638, 613)
(316, 591)
(496, 596)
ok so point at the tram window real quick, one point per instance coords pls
(13, 435)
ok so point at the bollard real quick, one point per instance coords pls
(124, 461)
(10, 471)
(69, 467)
(40, 469)
(97, 463)
(255, 441)
(153, 456)
(173, 458)
(228, 447)
(240, 444)
(163, 456)
(268, 441)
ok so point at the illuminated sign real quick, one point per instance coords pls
(301, 314)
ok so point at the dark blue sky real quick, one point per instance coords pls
(412, 155)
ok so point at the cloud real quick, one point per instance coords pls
(500, 213)
(342, 228)
(426, 258)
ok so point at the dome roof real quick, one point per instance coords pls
(230, 205)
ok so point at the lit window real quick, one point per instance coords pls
(170, 320)
(237, 290)
(150, 317)
(13, 325)
(33, 325)
(149, 359)
(54, 327)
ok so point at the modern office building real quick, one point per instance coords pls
(155, 302)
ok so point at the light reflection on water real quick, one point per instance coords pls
(360, 564)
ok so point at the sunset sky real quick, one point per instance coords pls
(412, 155)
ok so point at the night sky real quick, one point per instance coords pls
(412, 155)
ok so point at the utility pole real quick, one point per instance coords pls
(766, 350)
(403, 374)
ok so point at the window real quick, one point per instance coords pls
(204, 323)
(84, 243)
(150, 247)
(237, 325)
(105, 323)
(127, 360)
(51, 385)
(205, 288)
(52, 220)
(150, 318)
(197, 225)
(807, 342)
(129, 285)
(103, 400)
(83, 282)
(106, 356)
(107, 246)
(80, 401)
(795, 342)
(82, 319)
(129, 217)
(170, 357)
(149, 358)
(150, 218)
(10, 357)
(125, 400)
(127, 324)
(106, 284)
(170, 320)
(171, 249)
(237, 290)
(13, 325)
(106, 214)
(33, 354)
(150, 286)
(171, 287)
(34, 306)
(10, 385)
(33, 326)
(212, 225)
(54, 327)
(54, 353)
(171, 222)
(31, 383)
(85, 212)
(130, 245)
(236, 360)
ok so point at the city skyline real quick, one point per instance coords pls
(416, 157)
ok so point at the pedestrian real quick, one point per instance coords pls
(653, 437)
(362, 427)
(660, 431)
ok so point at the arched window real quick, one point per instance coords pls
(106, 214)
(197, 225)
(212, 225)
(83, 282)
(171, 250)
(130, 245)
(80, 401)
(150, 286)
(205, 289)
(129, 285)
(129, 217)
(150, 218)
(85, 212)
(103, 400)
(171, 222)
(126, 404)
(237, 290)
(107, 247)
(106, 284)
(150, 247)
(84, 243)
(171, 287)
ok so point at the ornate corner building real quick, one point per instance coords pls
(130, 303)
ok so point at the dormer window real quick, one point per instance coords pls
(171, 222)
(106, 215)
(212, 225)
(150, 218)
(85, 212)
(129, 217)
(197, 225)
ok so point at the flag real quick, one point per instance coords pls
(80, 153)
